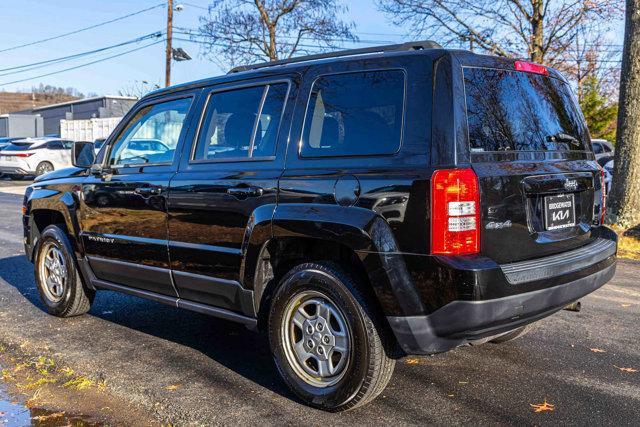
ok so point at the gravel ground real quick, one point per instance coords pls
(189, 368)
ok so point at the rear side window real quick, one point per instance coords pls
(242, 123)
(513, 110)
(354, 114)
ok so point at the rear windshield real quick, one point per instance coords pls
(19, 146)
(513, 110)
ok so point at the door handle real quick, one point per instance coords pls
(148, 191)
(245, 191)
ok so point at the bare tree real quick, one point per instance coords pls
(541, 29)
(247, 31)
(137, 88)
(625, 195)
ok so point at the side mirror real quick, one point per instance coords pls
(83, 155)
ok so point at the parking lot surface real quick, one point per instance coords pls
(190, 368)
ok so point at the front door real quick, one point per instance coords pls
(230, 175)
(124, 214)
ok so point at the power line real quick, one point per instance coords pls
(83, 29)
(36, 65)
(196, 6)
(198, 39)
(196, 33)
(84, 65)
(203, 42)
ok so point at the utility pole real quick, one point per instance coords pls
(167, 75)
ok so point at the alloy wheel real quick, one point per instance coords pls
(316, 338)
(53, 272)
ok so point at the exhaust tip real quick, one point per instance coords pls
(576, 306)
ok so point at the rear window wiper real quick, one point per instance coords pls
(563, 137)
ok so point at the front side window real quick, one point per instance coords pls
(152, 135)
(242, 123)
(355, 114)
(597, 148)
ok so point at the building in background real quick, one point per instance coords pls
(88, 129)
(17, 125)
(87, 108)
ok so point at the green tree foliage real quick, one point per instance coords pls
(601, 114)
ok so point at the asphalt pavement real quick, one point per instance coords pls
(190, 368)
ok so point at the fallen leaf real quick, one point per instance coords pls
(451, 395)
(412, 361)
(543, 407)
(172, 387)
(463, 382)
(625, 305)
(48, 417)
(67, 371)
(628, 370)
(598, 350)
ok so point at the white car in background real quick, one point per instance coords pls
(608, 174)
(602, 148)
(35, 156)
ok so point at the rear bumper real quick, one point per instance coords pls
(14, 170)
(570, 276)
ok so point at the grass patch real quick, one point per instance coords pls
(628, 242)
(33, 373)
(37, 383)
(79, 383)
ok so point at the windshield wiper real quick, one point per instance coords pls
(144, 159)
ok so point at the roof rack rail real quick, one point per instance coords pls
(416, 45)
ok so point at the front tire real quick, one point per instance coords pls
(325, 340)
(57, 277)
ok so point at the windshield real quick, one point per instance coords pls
(513, 110)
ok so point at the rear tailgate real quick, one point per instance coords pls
(539, 185)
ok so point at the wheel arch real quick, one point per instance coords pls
(47, 207)
(358, 239)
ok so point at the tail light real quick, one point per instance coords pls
(603, 192)
(19, 154)
(455, 212)
(531, 67)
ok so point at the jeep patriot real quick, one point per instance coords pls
(356, 207)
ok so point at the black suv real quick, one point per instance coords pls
(357, 207)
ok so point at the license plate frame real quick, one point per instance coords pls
(559, 211)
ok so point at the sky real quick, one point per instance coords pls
(24, 21)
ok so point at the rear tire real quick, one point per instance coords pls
(331, 356)
(57, 277)
(513, 335)
(44, 167)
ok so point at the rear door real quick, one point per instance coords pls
(231, 171)
(529, 144)
(58, 152)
